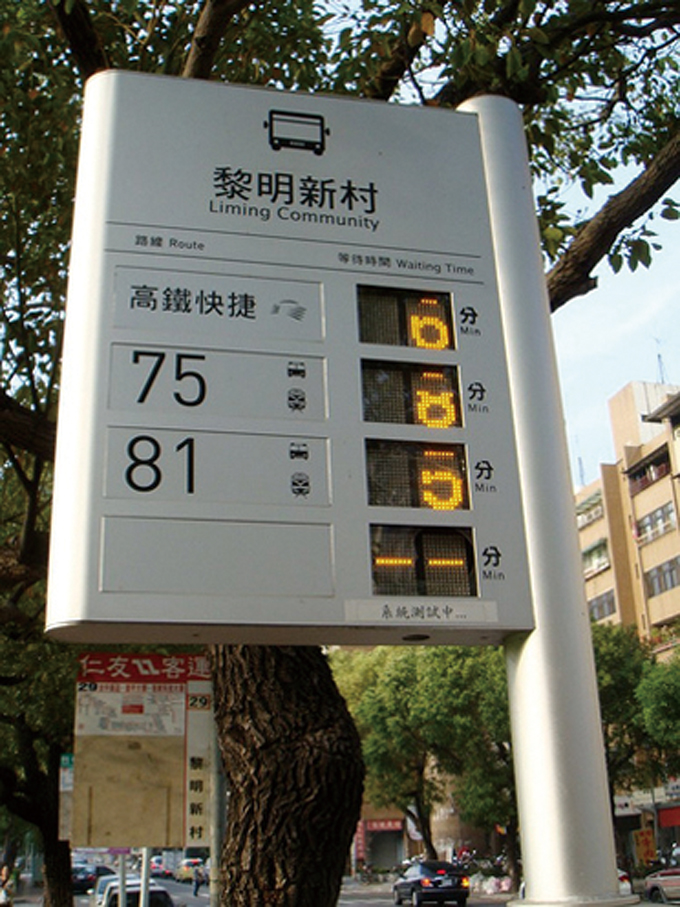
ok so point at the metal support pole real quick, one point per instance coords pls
(565, 819)
(146, 877)
(122, 880)
(217, 818)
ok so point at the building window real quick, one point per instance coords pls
(595, 558)
(656, 523)
(602, 605)
(653, 470)
(589, 511)
(662, 578)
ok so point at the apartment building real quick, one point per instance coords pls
(630, 547)
(627, 518)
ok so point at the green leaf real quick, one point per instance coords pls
(538, 35)
(616, 262)
(513, 62)
(553, 233)
(642, 251)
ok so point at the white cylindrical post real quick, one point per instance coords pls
(564, 810)
(122, 880)
(146, 877)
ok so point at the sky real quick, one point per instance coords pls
(628, 329)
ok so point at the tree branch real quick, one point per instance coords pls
(13, 574)
(571, 275)
(383, 85)
(9, 681)
(26, 429)
(81, 36)
(212, 24)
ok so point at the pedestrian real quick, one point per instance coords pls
(198, 879)
(6, 887)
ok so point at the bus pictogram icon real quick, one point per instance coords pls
(305, 131)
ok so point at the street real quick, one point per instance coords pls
(352, 893)
(361, 896)
(182, 894)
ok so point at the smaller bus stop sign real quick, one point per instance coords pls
(285, 413)
(143, 743)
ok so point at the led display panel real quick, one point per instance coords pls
(402, 317)
(412, 394)
(411, 560)
(406, 474)
(415, 560)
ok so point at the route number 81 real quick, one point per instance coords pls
(144, 474)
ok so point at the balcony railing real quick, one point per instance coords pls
(651, 475)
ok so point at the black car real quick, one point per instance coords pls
(432, 880)
(84, 876)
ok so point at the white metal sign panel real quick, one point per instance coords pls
(285, 413)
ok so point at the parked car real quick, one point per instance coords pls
(84, 876)
(98, 892)
(625, 884)
(158, 896)
(663, 885)
(185, 870)
(159, 869)
(432, 880)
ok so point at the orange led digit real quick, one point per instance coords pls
(446, 562)
(428, 332)
(436, 409)
(442, 489)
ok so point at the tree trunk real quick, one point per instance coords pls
(422, 816)
(57, 872)
(514, 858)
(58, 891)
(292, 760)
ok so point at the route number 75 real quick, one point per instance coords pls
(194, 387)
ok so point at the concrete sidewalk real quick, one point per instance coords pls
(27, 892)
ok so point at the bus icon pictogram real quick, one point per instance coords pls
(306, 131)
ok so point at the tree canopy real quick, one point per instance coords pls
(435, 724)
(659, 696)
(598, 84)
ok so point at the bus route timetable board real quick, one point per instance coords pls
(285, 413)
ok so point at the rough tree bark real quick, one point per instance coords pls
(292, 759)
